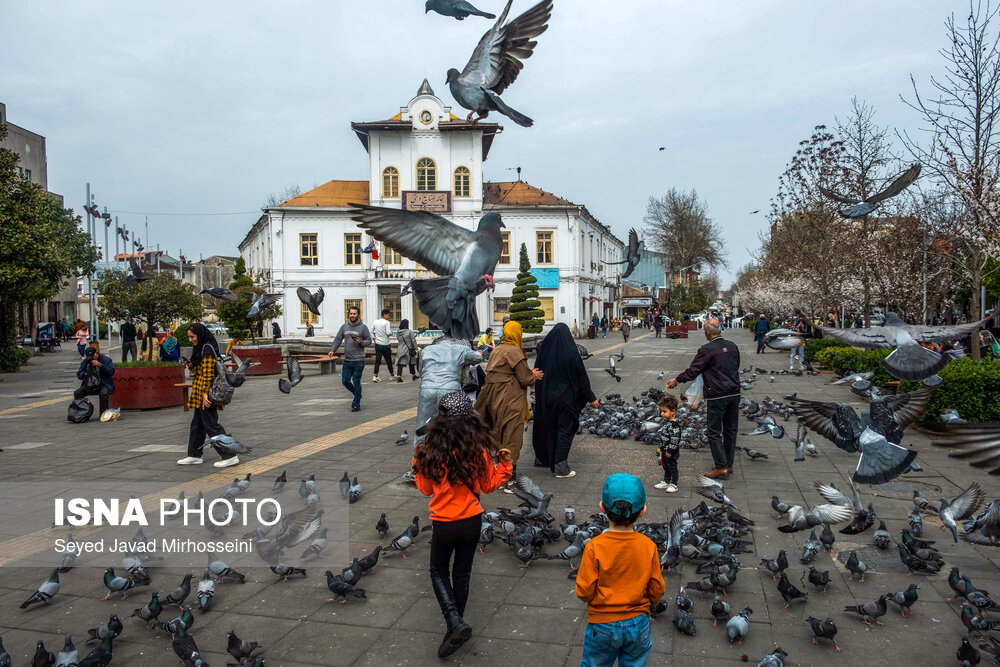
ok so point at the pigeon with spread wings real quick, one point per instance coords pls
(464, 259)
(261, 301)
(841, 425)
(310, 300)
(631, 256)
(860, 208)
(496, 62)
(908, 360)
(978, 443)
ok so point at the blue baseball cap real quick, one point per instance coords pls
(622, 486)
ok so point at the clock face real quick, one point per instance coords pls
(426, 117)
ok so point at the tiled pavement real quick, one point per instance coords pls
(520, 617)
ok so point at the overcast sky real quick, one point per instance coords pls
(207, 107)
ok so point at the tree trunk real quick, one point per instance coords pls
(977, 282)
(865, 286)
(8, 331)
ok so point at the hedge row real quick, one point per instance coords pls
(971, 387)
(825, 356)
(853, 360)
(814, 345)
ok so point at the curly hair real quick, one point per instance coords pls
(453, 448)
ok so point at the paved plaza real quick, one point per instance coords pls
(520, 616)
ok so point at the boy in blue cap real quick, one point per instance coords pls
(619, 578)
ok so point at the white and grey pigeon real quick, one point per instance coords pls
(403, 438)
(960, 507)
(496, 62)
(908, 361)
(464, 260)
(45, 592)
(261, 301)
(310, 300)
(354, 492)
(860, 208)
(631, 255)
(206, 591)
(457, 9)
(854, 377)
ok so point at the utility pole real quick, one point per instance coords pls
(90, 277)
(157, 257)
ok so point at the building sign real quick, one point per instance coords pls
(434, 201)
(547, 278)
(632, 301)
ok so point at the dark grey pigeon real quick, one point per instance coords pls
(860, 208)
(908, 360)
(496, 62)
(262, 301)
(632, 256)
(311, 301)
(294, 376)
(464, 259)
(459, 9)
(220, 293)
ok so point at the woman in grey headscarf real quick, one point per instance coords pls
(406, 350)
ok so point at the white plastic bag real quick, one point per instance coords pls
(695, 393)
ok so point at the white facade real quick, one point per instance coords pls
(306, 241)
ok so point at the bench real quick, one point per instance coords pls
(891, 387)
(186, 388)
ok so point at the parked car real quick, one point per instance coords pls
(216, 328)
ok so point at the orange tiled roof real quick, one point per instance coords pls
(520, 193)
(333, 193)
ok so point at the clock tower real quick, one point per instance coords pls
(426, 158)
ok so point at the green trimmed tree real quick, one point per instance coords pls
(41, 246)
(524, 303)
(161, 298)
(234, 313)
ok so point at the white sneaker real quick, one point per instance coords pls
(190, 461)
(375, 379)
(225, 463)
(671, 488)
(661, 485)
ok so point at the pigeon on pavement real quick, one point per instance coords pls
(280, 482)
(464, 260)
(496, 63)
(115, 584)
(315, 550)
(45, 592)
(206, 591)
(823, 630)
(354, 491)
(239, 648)
(112, 629)
(342, 591)
(150, 611)
(69, 655)
(870, 611)
(179, 594)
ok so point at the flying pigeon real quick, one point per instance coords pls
(459, 9)
(496, 62)
(611, 369)
(584, 353)
(261, 301)
(631, 256)
(714, 491)
(220, 293)
(407, 288)
(136, 276)
(294, 370)
(311, 301)
(985, 528)
(978, 443)
(464, 260)
(860, 208)
(960, 507)
(908, 361)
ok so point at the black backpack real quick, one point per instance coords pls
(80, 410)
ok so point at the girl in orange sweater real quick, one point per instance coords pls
(454, 467)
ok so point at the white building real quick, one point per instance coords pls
(425, 157)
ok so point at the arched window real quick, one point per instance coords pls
(463, 182)
(426, 174)
(390, 183)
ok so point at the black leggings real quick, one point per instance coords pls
(461, 538)
(383, 352)
(204, 423)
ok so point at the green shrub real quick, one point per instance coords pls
(13, 358)
(814, 345)
(825, 356)
(971, 387)
(181, 333)
(853, 360)
(145, 364)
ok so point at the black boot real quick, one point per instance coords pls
(458, 631)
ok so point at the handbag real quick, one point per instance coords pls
(221, 392)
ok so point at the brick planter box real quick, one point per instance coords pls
(146, 388)
(267, 358)
(682, 330)
(691, 325)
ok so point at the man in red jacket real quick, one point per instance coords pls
(718, 362)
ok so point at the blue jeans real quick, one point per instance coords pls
(629, 642)
(350, 375)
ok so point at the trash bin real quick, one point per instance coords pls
(591, 332)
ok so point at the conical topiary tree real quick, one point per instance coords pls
(524, 302)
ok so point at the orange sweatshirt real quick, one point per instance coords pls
(454, 503)
(619, 576)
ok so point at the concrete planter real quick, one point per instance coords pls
(145, 388)
(267, 358)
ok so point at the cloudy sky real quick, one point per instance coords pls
(207, 107)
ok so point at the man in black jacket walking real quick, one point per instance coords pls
(718, 362)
